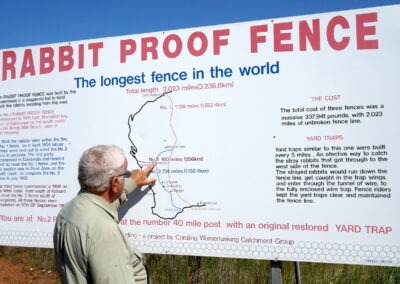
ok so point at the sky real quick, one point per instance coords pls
(29, 23)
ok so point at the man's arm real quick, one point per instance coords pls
(129, 187)
(138, 179)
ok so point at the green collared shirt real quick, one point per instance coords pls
(90, 246)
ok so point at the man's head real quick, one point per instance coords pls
(99, 165)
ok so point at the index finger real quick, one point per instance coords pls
(149, 168)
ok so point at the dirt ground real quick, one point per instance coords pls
(27, 266)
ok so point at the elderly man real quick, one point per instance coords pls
(88, 242)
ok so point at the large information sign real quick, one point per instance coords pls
(274, 139)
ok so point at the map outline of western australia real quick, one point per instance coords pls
(163, 146)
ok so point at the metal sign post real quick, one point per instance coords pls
(276, 267)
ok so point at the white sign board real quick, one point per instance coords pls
(275, 139)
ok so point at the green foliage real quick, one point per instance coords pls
(201, 270)
(191, 269)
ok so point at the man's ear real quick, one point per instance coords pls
(114, 184)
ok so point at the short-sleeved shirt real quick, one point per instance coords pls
(89, 244)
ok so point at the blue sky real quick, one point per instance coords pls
(28, 22)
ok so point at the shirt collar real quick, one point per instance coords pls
(99, 201)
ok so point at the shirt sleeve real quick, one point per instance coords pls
(129, 187)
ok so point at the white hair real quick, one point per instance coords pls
(99, 164)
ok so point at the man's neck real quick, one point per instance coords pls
(103, 194)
